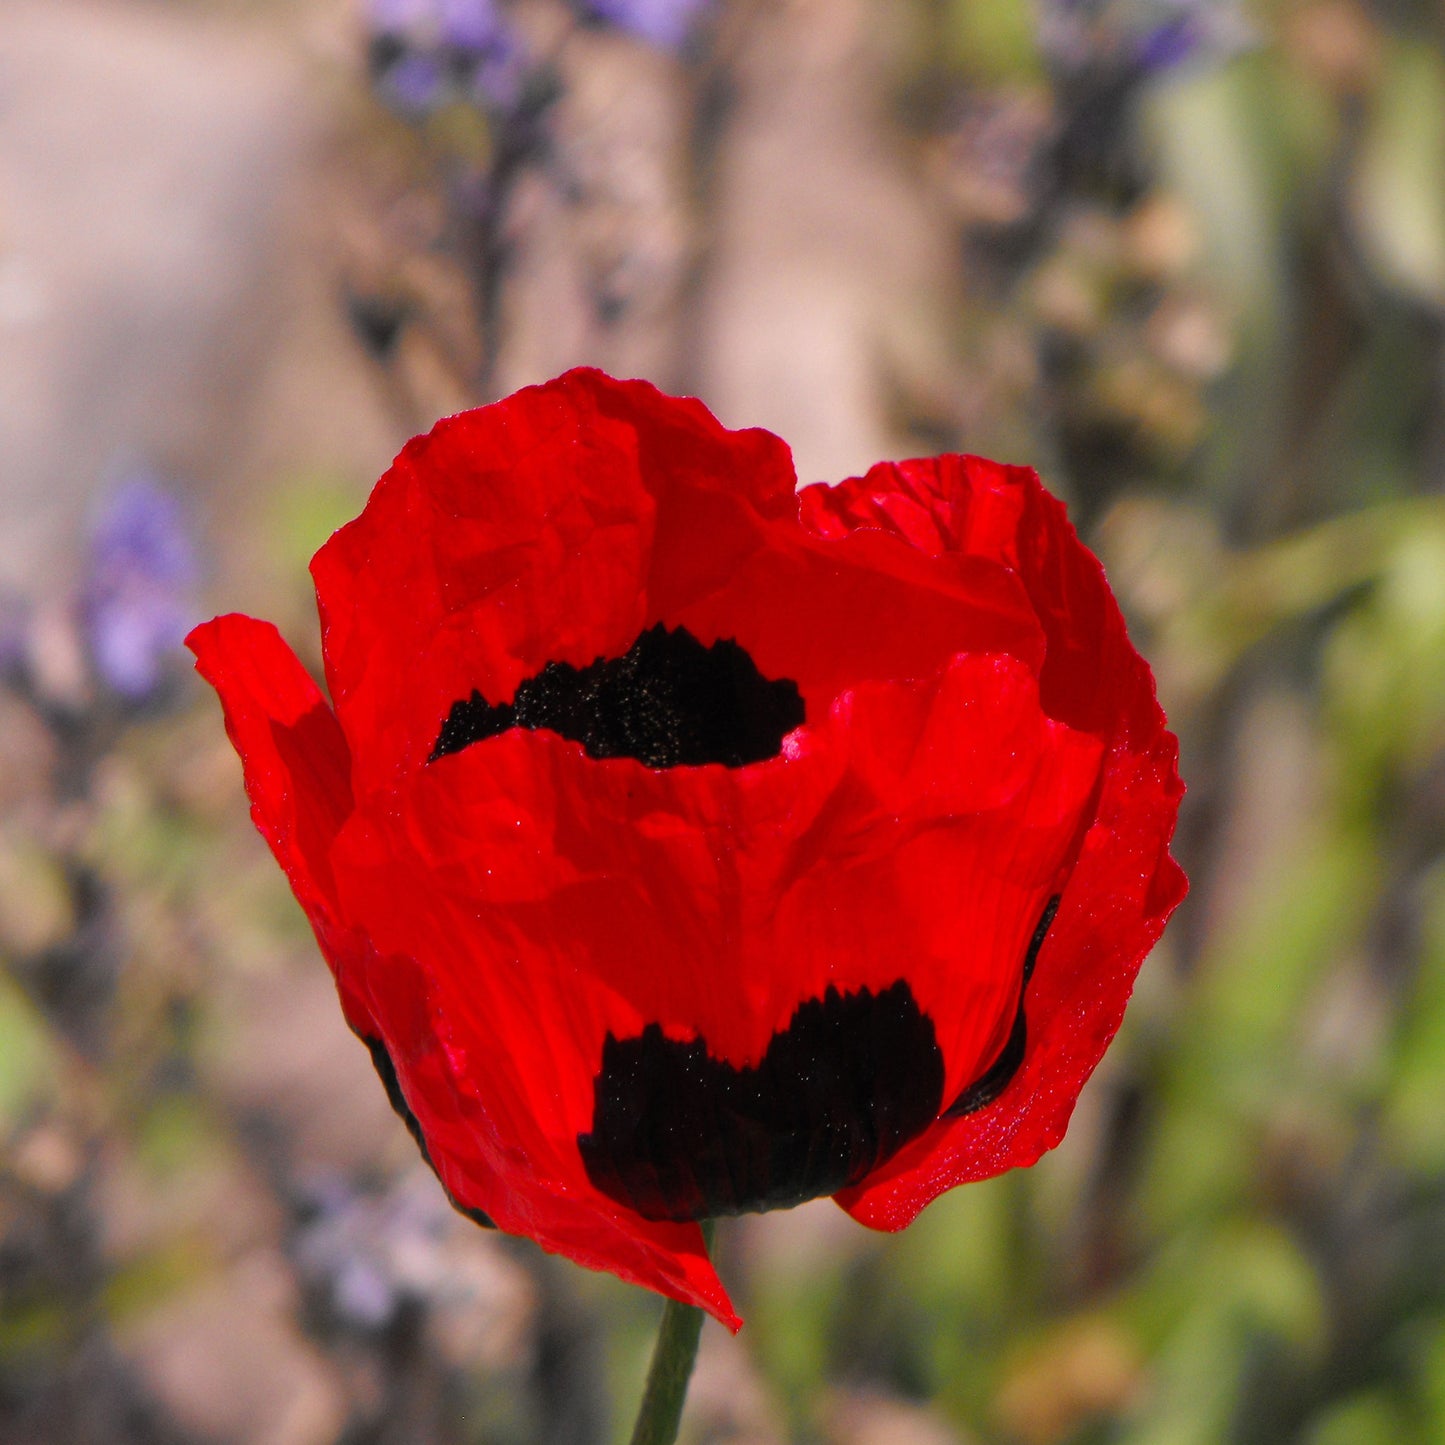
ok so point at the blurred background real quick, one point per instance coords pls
(1186, 258)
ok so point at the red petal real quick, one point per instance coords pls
(557, 525)
(1124, 886)
(511, 536)
(297, 772)
(297, 769)
(480, 1141)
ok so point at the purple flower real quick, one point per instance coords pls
(341, 1253)
(137, 601)
(368, 1255)
(485, 52)
(1169, 44)
(667, 24)
(15, 620)
(475, 25)
(397, 17)
(1148, 37)
(1206, 30)
(425, 53)
(414, 83)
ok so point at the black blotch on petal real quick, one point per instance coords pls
(668, 701)
(997, 1077)
(381, 1059)
(677, 1134)
(999, 1074)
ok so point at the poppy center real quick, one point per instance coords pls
(668, 701)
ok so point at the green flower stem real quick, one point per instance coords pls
(671, 1368)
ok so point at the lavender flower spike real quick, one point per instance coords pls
(667, 24)
(424, 54)
(137, 601)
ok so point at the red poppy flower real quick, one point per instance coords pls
(685, 845)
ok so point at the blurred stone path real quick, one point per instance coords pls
(143, 149)
(825, 262)
(828, 258)
(147, 287)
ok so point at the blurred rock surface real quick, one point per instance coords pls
(142, 152)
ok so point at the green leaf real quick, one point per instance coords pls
(993, 40)
(1411, 1111)
(1208, 150)
(149, 1280)
(29, 1064)
(1364, 1419)
(1212, 1300)
(308, 509)
(1398, 189)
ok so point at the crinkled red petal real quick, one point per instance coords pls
(298, 775)
(557, 525)
(297, 772)
(486, 1154)
(1124, 886)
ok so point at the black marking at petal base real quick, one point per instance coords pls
(381, 1059)
(668, 701)
(677, 1134)
(1041, 932)
(996, 1078)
